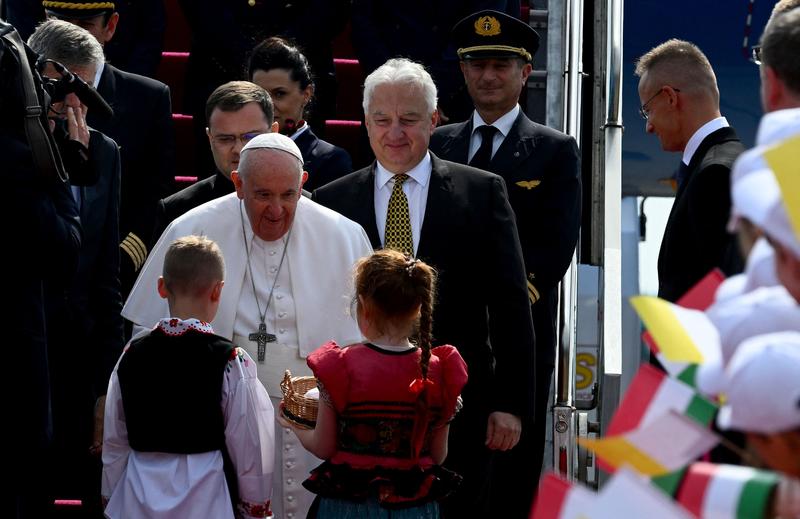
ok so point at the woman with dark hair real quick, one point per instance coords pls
(282, 70)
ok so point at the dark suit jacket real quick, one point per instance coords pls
(469, 236)
(323, 161)
(84, 313)
(84, 324)
(142, 126)
(541, 167)
(188, 198)
(695, 239)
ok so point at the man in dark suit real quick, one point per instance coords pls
(457, 219)
(680, 104)
(235, 113)
(85, 334)
(541, 167)
(142, 126)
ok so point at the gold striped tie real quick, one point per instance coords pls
(398, 221)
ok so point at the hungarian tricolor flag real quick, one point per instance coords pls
(626, 494)
(669, 442)
(629, 495)
(699, 297)
(651, 394)
(560, 499)
(727, 491)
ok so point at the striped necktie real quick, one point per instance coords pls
(398, 221)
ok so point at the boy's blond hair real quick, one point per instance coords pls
(192, 265)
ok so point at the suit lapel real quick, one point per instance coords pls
(364, 205)
(90, 195)
(107, 84)
(439, 192)
(305, 142)
(518, 145)
(457, 144)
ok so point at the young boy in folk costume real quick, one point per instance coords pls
(189, 429)
(385, 404)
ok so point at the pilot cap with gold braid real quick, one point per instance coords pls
(492, 34)
(77, 9)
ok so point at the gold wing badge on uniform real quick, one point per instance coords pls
(528, 184)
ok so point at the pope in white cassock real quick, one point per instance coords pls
(288, 283)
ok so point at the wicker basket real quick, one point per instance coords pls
(297, 408)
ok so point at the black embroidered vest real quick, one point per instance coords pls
(171, 392)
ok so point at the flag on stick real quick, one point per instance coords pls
(682, 335)
(651, 394)
(727, 491)
(629, 495)
(560, 499)
(669, 442)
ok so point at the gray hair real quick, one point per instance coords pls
(780, 48)
(404, 72)
(781, 7)
(70, 45)
(247, 157)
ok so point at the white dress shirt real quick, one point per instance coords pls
(97, 74)
(416, 191)
(701, 133)
(300, 131)
(503, 126)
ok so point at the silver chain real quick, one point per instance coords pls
(262, 317)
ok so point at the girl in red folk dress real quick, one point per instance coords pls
(385, 404)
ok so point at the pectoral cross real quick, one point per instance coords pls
(261, 337)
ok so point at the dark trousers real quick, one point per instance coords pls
(468, 456)
(515, 473)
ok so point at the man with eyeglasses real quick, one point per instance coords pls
(680, 104)
(235, 113)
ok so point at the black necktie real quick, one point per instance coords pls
(483, 156)
(682, 174)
